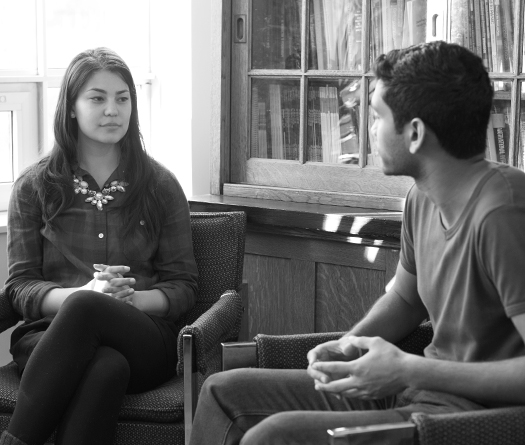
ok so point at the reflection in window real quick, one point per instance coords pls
(335, 28)
(276, 34)
(6, 146)
(275, 119)
(333, 121)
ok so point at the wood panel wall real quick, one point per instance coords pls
(299, 285)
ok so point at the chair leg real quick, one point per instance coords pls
(190, 386)
(402, 433)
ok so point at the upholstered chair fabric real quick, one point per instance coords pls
(157, 416)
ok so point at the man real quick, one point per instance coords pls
(462, 254)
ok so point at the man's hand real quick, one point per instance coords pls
(110, 280)
(377, 374)
(336, 350)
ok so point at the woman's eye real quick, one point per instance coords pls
(123, 99)
(97, 99)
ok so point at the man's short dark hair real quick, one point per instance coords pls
(446, 86)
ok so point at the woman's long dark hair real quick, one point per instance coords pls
(54, 177)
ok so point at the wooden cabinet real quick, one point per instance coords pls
(309, 267)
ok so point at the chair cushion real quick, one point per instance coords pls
(164, 404)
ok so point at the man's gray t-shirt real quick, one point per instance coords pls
(471, 276)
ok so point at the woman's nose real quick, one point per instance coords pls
(111, 109)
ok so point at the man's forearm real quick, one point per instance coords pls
(391, 318)
(500, 381)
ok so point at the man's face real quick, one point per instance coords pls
(391, 146)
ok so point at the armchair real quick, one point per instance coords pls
(501, 425)
(164, 415)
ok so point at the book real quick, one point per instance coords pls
(507, 34)
(484, 34)
(376, 32)
(320, 37)
(262, 133)
(276, 128)
(312, 55)
(254, 139)
(477, 28)
(521, 152)
(499, 117)
(490, 152)
(499, 37)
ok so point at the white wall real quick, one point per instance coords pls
(180, 58)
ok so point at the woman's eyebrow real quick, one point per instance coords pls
(100, 90)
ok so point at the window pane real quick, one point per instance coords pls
(6, 146)
(18, 35)
(335, 28)
(487, 29)
(276, 34)
(333, 121)
(498, 131)
(275, 119)
(120, 25)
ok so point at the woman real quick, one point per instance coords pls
(99, 206)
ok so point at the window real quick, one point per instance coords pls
(301, 81)
(45, 36)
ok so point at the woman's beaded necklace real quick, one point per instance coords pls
(98, 198)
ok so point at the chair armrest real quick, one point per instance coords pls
(289, 351)
(218, 324)
(484, 427)
(242, 354)
(398, 433)
(418, 339)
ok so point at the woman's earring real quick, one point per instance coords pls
(72, 115)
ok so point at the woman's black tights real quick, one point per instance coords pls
(96, 350)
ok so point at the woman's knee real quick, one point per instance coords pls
(86, 304)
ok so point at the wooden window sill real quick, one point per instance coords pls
(344, 224)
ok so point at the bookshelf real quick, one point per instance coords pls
(293, 114)
(323, 221)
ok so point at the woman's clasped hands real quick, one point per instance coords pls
(110, 280)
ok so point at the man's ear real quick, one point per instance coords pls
(415, 133)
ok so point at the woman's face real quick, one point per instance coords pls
(103, 109)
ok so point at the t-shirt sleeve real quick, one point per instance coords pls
(502, 251)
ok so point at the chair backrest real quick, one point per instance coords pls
(218, 246)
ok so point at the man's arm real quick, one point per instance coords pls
(397, 313)
(500, 381)
(393, 317)
(386, 370)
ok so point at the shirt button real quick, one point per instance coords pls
(142, 222)
(101, 235)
